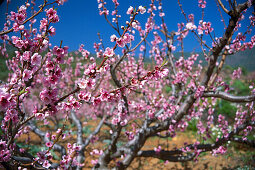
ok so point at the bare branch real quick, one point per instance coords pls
(80, 141)
(223, 7)
(45, 139)
(166, 155)
(242, 141)
(229, 97)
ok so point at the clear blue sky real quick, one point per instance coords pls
(80, 21)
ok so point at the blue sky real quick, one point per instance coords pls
(80, 21)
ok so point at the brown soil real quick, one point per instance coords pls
(207, 161)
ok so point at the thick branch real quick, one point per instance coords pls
(45, 139)
(251, 143)
(223, 7)
(80, 141)
(166, 155)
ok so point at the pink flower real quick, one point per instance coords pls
(104, 95)
(142, 48)
(95, 100)
(52, 15)
(46, 164)
(191, 26)
(157, 150)
(85, 53)
(94, 162)
(130, 10)
(22, 9)
(84, 96)
(128, 38)
(52, 31)
(109, 52)
(76, 147)
(36, 59)
(113, 38)
(120, 42)
(202, 3)
(27, 74)
(43, 24)
(96, 152)
(91, 83)
(237, 73)
(161, 14)
(26, 55)
(48, 96)
(48, 144)
(82, 84)
(115, 2)
(20, 18)
(200, 91)
(69, 146)
(142, 9)
(60, 2)
(4, 101)
(5, 153)
(58, 51)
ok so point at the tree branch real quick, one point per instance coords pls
(230, 97)
(223, 7)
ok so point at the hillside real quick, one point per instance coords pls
(244, 59)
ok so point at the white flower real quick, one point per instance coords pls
(142, 9)
(191, 26)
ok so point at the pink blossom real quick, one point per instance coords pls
(121, 42)
(20, 18)
(43, 24)
(48, 144)
(94, 162)
(5, 153)
(60, 2)
(27, 74)
(104, 95)
(157, 150)
(36, 59)
(142, 9)
(109, 52)
(191, 26)
(128, 38)
(202, 3)
(113, 38)
(199, 91)
(161, 14)
(52, 31)
(4, 101)
(130, 10)
(58, 51)
(85, 53)
(52, 15)
(237, 73)
(84, 96)
(46, 164)
(82, 83)
(26, 55)
(96, 152)
(95, 100)
(142, 48)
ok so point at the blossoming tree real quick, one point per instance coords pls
(49, 85)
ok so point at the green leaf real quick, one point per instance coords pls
(23, 91)
(164, 62)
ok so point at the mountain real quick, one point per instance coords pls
(244, 59)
